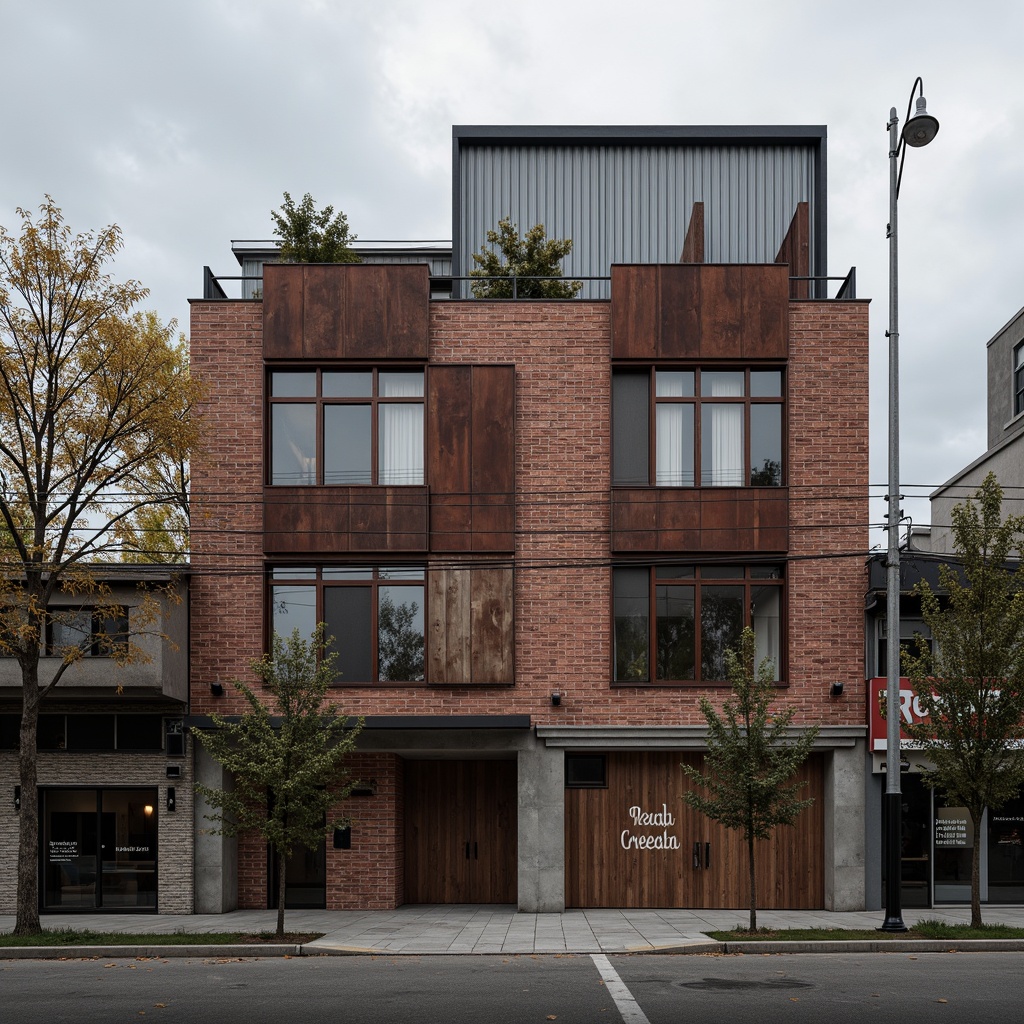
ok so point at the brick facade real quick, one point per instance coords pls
(562, 593)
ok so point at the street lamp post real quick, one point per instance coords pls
(918, 131)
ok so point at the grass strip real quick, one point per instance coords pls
(74, 937)
(921, 930)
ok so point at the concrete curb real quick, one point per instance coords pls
(143, 951)
(265, 951)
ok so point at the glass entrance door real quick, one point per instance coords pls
(1005, 853)
(99, 849)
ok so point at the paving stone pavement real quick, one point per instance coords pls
(501, 929)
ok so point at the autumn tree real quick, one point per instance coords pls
(285, 754)
(971, 686)
(93, 396)
(752, 757)
(527, 267)
(309, 236)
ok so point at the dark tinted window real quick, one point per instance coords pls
(140, 732)
(586, 771)
(90, 732)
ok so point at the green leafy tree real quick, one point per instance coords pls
(751, 758)
(286, 756)
(971, 686)
(308, 236)
(506, 270)
(93, 395)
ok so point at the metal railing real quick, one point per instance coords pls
(213, 286)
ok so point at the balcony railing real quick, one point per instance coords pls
(813, 288)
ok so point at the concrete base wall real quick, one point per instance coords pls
(844, 828)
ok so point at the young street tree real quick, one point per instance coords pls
(971, 687)
(92, 396)
(507, 270)
(751, 758)
(286, 756)
(311, 237)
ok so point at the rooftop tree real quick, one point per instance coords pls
(309, 236)
(517, 266)
(93, 396)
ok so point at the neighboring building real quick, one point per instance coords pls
(936, 858)
(115, 784)
(533, 528)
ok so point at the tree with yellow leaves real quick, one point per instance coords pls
(94, 398)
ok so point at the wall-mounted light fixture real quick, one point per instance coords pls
(17, 798)
(835, 690)
(171, 799)
(556, 699)
(217, 689)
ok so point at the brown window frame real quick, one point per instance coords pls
(703, 577)
(696, 400)
(373, 578)
(320, 402)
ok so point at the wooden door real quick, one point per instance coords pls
(638, 844)
(460, 832)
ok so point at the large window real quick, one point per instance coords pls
(712, 428)
(376, 616)
(344, 427)
(674, 623)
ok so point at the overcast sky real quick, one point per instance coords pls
(184, 121)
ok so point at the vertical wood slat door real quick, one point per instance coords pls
(460, 832)
(699, 864)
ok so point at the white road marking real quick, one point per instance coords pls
(627, 1006)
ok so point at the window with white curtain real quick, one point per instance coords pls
(709, 428)
(346, 427)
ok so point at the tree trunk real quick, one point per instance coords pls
(27, 921)
(753, 883)
(976, 921)
(282, 884)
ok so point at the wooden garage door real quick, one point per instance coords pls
(460, 832)
(638, 844)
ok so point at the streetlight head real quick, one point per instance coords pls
(921, 128)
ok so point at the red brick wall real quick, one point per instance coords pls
(227, 518)
(370, 875)
(563, 580)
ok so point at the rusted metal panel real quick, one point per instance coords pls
(283, 293)
(636, 304)
(712, 519)
(330, 520)
(765, 312)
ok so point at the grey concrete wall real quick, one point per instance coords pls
(216, 856)
(541, 829)
(162, 664)
(1001, 421)
(844, 828)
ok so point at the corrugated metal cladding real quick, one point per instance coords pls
(632, 203)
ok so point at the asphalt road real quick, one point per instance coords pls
(570, 989)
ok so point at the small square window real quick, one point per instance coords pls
(586, 771)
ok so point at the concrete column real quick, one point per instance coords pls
(216, 857)
(541, 829)
(844, 828)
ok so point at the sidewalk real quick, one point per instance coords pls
(494, 929)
